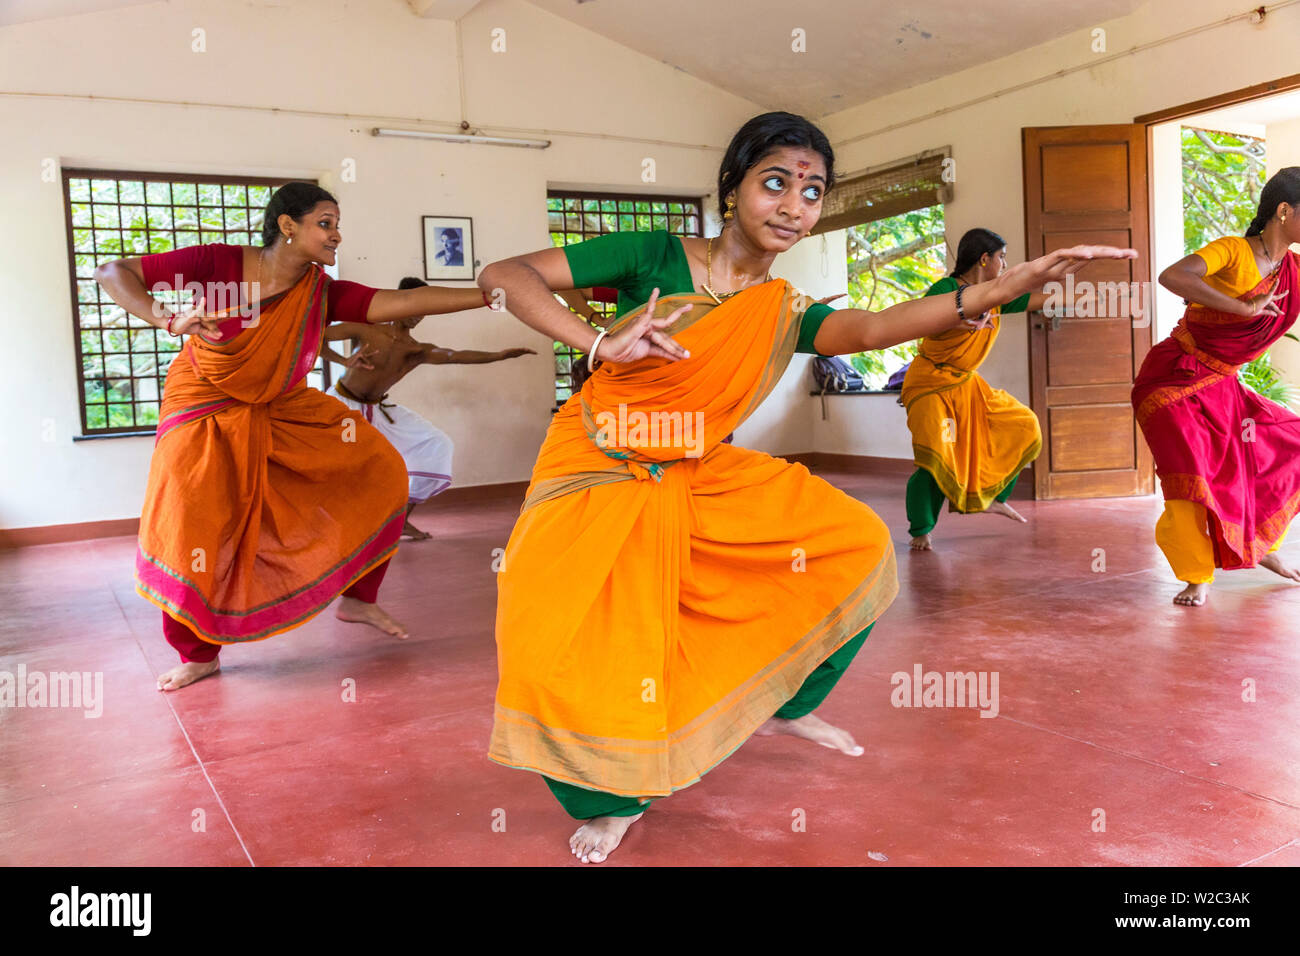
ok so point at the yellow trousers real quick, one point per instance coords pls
(1183, 535)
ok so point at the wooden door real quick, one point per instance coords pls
(1088, 184)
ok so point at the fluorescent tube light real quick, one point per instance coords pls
(461, 138)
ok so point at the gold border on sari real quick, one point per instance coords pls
(655, 768)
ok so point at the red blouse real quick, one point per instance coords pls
(217, 262)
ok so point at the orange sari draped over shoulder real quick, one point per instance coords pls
(266, 497)
(664, 593)
(974, 439)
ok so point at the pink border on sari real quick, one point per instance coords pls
(174, 594)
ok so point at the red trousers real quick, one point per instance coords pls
(193, 649)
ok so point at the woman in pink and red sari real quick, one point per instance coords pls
(266, 498)
(1228, 459)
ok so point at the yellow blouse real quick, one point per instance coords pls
(1230, 265)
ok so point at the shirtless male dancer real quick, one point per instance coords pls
(373, 371)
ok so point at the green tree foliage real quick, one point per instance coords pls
(1222, 178)
(124, 360)
(891, 261)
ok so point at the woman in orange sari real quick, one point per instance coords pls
(266, 498)
(969, 441)
(665, 595)
(1226, 457)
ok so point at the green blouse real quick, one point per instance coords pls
(636, 263)
(949, 284)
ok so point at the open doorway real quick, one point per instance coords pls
(1206, 170)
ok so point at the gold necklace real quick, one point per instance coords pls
(1272, 266)
(708, 275)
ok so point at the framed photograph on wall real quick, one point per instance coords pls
(448, 247)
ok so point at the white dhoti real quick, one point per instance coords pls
(425, 449)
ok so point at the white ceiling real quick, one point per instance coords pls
(856, 49)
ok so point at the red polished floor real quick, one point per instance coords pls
(1110, 699)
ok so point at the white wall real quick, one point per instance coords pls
(1166, 170)
(980, 113)
(291, 88)
(817, 266)
(380, 64)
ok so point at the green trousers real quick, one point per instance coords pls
(925, 501)
(582, 804)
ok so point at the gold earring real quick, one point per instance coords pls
(730, 213)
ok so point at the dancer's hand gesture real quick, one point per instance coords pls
(1266, 304)
(1032, 276)
(643, 336)
(195, 321)
(361, 358)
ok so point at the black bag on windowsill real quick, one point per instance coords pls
(836, 376)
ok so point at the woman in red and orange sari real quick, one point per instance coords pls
(266, 498)
(665, 595)
(1228, 459)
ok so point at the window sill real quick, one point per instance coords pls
(149, 434)
(866, 391)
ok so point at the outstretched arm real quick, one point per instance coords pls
(391, 304)
(529, 283)
(856, 330)
(436, 356)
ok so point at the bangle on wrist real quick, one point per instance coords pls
(591, 355)
(487, 299)
(961, 313)
(169, 326)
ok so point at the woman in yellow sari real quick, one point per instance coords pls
(709, 592)
(267, 498)
(969, 441)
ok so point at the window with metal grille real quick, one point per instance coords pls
(575, 216)
(121, 360)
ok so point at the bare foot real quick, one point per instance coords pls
(359, 612)
(922, 542)
(811, 727)
(411, 531)
(596, 839)
(1278, 566)
(1004, 509)
(183, 674)
(1193, 595)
